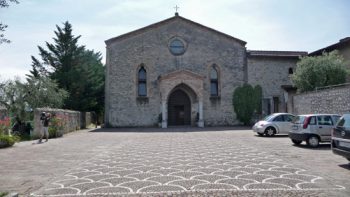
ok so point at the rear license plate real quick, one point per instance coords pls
(344, 144)
(295, 127)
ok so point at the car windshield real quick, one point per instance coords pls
(298, 120)
(269, 117)
(344, 122)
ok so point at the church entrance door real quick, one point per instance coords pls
(179, 108)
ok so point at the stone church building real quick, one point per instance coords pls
(179, 72)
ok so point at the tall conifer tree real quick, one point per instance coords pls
(77, 70)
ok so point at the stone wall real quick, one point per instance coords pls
(70, 119)
(85, 119)
(150, 48)
(335, 100)
(271, 73)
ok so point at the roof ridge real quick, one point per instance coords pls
(276, 53)
(137, 31)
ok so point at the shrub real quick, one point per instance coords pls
(8, 140)
(3, 194)
(4, 125)
(319, 71)
(56, 127)
(246, 100)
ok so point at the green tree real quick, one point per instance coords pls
(18, 97)
(246, 100)
(61, 58)
(12, 95)
(87, 91)
(77, 70)
(319, 71)
(4, 4)
(44, 92)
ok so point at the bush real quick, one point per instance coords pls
(55, 128)
(246, 100)
(319, 71)
(4, 125)
(3, 194)
(8, 140)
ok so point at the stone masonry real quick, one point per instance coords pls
(149, 47)
(70, 120)
(205, 48)
(334, 100)
(271, 72)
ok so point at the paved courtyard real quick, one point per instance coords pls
(172, 162)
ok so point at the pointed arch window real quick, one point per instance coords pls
(214, 87)
(142, 82)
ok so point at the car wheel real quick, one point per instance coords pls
(270, 131)
(297, 142)
(313, 141)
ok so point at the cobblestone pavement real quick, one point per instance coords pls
(205, 163)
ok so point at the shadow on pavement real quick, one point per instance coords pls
(172, 129)
(326, 146)
(345, 166)
(275, 136)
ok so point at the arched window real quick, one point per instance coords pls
(214, 90)
(142, 82)
(290, 71)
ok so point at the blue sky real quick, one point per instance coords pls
(301, 25)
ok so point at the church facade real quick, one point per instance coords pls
(179, 72)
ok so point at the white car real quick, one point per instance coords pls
(278, 123)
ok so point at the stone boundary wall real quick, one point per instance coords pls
(335, 100)
(85, 119)
(70, 119)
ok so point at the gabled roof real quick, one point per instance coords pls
(176, 17)
(332, 47)
(255, 53)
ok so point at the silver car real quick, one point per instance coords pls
(313, 128)
(277, 123)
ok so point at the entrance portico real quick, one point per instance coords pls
(182, 98)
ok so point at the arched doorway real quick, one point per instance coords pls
(179, 108)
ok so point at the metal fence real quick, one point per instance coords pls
(331, 86)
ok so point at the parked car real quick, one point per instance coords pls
(277, 123)
(313, 128)
(341, 137)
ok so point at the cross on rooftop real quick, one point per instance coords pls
(176, 8)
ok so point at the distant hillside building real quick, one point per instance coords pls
(180, 72)
(343, 46)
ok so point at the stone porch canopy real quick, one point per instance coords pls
(170, 81)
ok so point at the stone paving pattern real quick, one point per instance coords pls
(182, 163)
(172, 162)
